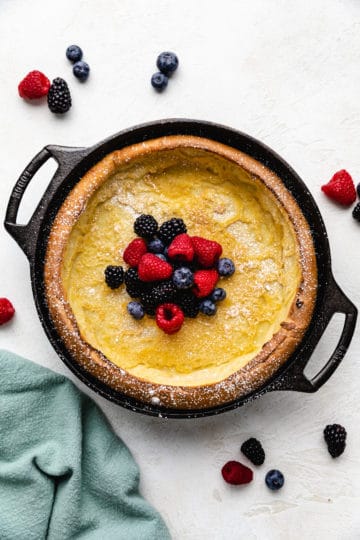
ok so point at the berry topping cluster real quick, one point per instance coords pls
(171, 274)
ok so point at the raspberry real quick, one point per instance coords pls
(253, 450)
(114, 276)
(6, 310)
(134, 285)
(207, 252)
(145, 226)
(356, 212)
(170, 229)
(134, 251)
(152, 268)
(59, 98)
(34, 86)
(341, 188)
(235, 473)
(204, 282)
(188, 303)
(181, 248)
(335, 438)
(169, 317)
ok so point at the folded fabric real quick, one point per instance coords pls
(63, 472)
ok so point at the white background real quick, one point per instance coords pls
(286, 72)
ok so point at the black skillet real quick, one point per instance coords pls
(74, 162)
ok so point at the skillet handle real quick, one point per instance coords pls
(294, 377)
(67, 158)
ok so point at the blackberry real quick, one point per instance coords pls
(163, 292)
(356, 212)
(335, 438)
(188, 303)
(114, 276)
(170, 229)
(59, 98)
(145, 226)
(134, 285)
(253, 450)
(148, 302)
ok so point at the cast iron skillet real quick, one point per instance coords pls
(74, 162)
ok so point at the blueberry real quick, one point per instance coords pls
(274, 479)
(167, 62)
(207, 307)
(226, 267)
(159, 81)
(156, 246)
(183, 278)
(81, 70)
(136, 310)
(218, 294)
(161, 256)
(74, 53)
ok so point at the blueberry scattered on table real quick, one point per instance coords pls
(81, 70)
(159, 81)
(167, 62)
(274, 479)
(74, 53)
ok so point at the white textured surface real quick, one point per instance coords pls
(287, 73)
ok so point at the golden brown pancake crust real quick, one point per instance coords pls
(247, 379)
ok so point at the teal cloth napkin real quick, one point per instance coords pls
(63, 472)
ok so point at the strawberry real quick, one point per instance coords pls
(204, 282)
(169, 317)
(235, 473)
(134, 251)
(6, 310)
(207, 252)
(152, 268)
(341, 188)
(34, 86)
(181, 248)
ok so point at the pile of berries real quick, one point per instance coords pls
(36, 85)
(234, 472)
(341, 189)
(167, 63)
(171, 275)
